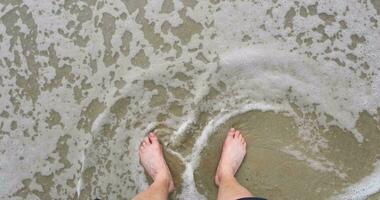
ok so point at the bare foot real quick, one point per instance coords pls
(152, 159)
(234, 150)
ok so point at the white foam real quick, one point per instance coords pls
(318, 165)
(257, 77)
(219, 120)
(190, 191)
(264, 74)
(364, 188)
(192, 161)
(183, 127)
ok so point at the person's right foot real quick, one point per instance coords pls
(234, 150)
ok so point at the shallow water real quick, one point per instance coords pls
(82, 82)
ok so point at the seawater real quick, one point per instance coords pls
(82, 82)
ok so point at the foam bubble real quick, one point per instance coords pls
(264, 74)
(364, 188)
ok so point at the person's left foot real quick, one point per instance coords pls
(152, 159)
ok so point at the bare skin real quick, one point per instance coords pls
(234, 150)
(233, 153)
(152, 159)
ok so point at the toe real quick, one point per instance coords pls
(231, 133)
(242, 140)
(237, 134)
(142, 149)
(153, 137)
(146, 140)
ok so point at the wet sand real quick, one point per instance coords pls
(270, 172)
(82, 82)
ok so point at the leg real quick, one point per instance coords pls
(159, 190)
(234, 150)
(152, 159)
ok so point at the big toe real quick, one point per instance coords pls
(231, 133)
(153, 137)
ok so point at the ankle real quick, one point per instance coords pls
(225, 177)
(162, 179)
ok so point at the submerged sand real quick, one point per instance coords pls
(82, 82)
